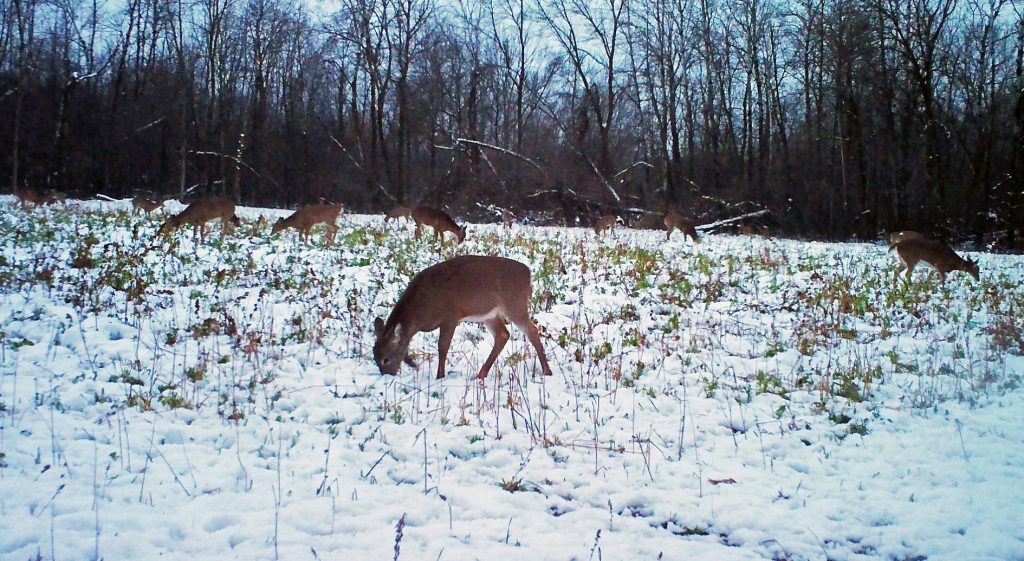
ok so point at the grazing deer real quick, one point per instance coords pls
(648, 222)
(199, 213)
(56, 197)
(308, 216)
(439, 221)
(475, 288)
(145, 204)
(688, 227)
(897, 237)
(937, 254)
(396, 213)
(28, 195)
(605, 223)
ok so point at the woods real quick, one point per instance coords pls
(844, 118)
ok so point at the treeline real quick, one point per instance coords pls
(844, 118)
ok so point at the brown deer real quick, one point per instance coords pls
(648, 222)
(937, 254)
(897, 237)
(507, 219)
(475, 288)
(199, 213)
(675, 222)
(439, 221)
(55, 197)
(145, 204)
(396, 213)
(28, 195)
(605, 223)
(308, 216)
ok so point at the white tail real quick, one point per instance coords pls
(473, 288)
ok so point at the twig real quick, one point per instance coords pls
(362, 169)
(633, 165)
(170, 467)
(399, 528)
(459, 140)
(959, 431)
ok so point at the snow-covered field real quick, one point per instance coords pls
(743, 398)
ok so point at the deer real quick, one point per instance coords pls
(473, 288)
(648, 222)
(605, 223)
(911, 251)
(396, 213)
(688, 227)
(199, 213)
(28, 195)
(145, 204)
(308, 216)
(439, 220)
(507, 219)
(897, 237)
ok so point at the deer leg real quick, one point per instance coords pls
(668, 234)
(331, 232)
(534, 336)
(419, 231)
(500, 333)
(444, 341)
(526, 325)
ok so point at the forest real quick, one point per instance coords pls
(842, 118)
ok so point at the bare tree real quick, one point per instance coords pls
(589, 34)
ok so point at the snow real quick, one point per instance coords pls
(741, 398)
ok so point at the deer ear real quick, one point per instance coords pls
(398, 332)
(378, 327)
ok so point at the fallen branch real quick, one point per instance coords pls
(633, 165)
(604, 181)
(358, 165)
(459, 140)
(713, 225)
(111, 199)
(225, 156)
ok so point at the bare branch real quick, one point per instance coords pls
(727, 221)
(358, 165)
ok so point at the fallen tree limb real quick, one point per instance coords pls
(727, 221)
(459, 140)
(358, 165)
